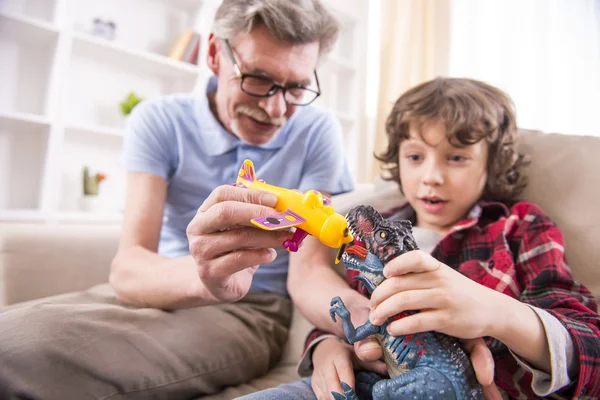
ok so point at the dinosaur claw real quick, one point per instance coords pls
(338, 396)
(346, 387)
(332, 314)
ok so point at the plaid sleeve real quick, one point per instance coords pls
(547, 283)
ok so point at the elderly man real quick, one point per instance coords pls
(197, 298)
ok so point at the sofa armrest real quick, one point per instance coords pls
(39, 260)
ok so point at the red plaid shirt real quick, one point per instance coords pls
(520, 252)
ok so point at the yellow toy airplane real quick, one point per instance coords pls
(310, 212)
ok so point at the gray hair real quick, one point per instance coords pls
(296, 22)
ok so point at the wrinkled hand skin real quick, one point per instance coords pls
(421, 366)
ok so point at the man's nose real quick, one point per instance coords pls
(274, 105)
(433, 174)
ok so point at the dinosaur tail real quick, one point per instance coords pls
(246, 175)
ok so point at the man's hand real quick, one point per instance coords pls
(226, 247)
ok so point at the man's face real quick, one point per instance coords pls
(256, 120)
(441, 182)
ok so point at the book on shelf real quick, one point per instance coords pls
(186, 47)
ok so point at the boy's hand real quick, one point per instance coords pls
(226, 247)
(335, 361)
(483, 364)
(448, 301)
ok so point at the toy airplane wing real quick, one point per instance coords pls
(282, 220)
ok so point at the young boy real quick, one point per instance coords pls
(489, 266)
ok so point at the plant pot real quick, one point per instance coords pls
(89, 203)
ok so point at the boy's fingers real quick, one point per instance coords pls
(404, 301)
(415, 261)
(415, 323)
(345, 373)
(482, 360)
(397, 284)
(491, 392)
(368, 350)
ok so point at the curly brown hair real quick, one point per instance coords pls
(470, 111)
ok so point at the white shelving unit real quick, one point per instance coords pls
(61, 89)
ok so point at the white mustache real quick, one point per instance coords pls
(259, 115)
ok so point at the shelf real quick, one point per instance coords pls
(81, 216)
(21, 216)
(27, 28)
(60, 217)
(114, 54)
(96, 130)
(11, 120)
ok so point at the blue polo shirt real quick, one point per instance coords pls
(178, 138)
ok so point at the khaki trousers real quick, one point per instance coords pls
(86, 345)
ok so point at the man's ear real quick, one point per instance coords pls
(213, 53)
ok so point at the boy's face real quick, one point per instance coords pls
(441, 182)
(256, 120)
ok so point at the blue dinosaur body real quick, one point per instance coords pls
(427, 365)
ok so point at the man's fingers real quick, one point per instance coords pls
(226, 215)
(482, 360)
(211, 246)
(413, 261)
(232, 193)
(234, 262)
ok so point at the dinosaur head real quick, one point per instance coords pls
(376, 242)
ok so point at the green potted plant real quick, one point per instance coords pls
(91, 187)
(129, 103)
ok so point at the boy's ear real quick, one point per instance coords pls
(213, 53)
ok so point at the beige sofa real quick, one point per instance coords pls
(42, 260)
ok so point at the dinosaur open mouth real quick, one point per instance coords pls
(355, 252)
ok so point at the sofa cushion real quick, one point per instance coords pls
(40, 260)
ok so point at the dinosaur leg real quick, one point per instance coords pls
(419, 383)
(353, 334)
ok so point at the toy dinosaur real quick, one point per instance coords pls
(428, 365)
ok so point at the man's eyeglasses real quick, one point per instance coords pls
(261, 86)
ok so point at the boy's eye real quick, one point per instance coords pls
(457, 158)
(413, 157)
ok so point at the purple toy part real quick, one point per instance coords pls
(293, 244)
(286, 219)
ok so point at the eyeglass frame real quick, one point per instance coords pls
(276, 86)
